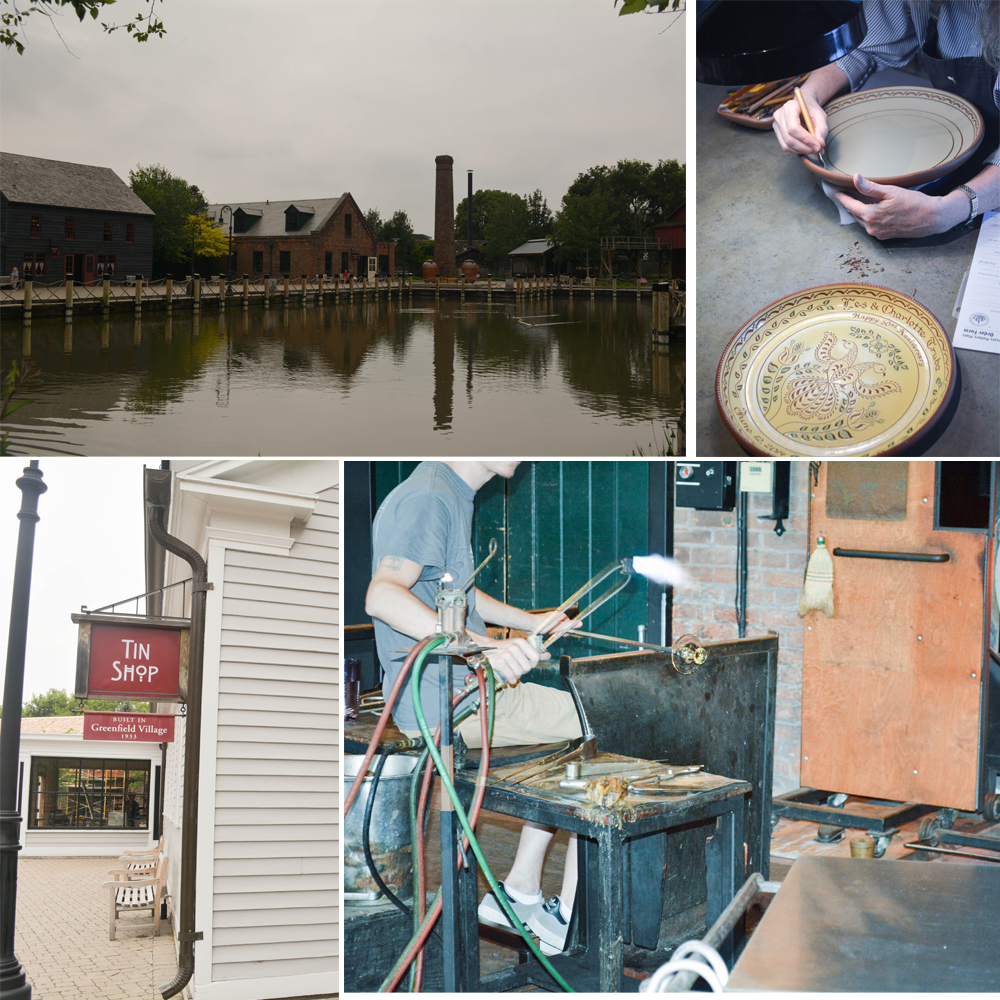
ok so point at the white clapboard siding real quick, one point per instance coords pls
(276, 870)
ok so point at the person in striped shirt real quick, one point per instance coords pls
(960, 44)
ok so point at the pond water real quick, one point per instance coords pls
(540, 377)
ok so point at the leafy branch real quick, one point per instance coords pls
(13, 19)
(13, 382)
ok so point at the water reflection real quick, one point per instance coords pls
(545, 377)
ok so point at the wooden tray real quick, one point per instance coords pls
(836, 371)
(747, 96)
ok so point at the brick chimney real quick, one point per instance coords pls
(444, 218)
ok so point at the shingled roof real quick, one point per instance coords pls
(67, 724)
(271, 214)
(30, 180)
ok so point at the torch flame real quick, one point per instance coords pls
(661, 569)
(447, 578)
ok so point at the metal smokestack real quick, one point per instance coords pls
(468, 211)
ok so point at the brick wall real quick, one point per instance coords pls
(706, 543)
(444, 217)
(308, 251)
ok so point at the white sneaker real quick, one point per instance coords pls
(548, 923)
(492, 913)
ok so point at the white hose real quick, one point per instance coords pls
(709, 966)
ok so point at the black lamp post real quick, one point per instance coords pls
(13, 982)
(229, 261)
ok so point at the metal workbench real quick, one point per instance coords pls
(765, 229)
(854, 924)
(595, 958)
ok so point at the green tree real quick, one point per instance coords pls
(540, 218)
(628, 199)
(205, 237)
(56, 701)
(12, 17)
(397, 228)
(173, 200)
(501, 219)
(423, 251)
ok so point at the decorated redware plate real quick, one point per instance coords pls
(836, 371)
(903, 136)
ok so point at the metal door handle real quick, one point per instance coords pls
(935, 557)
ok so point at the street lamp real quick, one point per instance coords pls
(13, 982)
(229, 260)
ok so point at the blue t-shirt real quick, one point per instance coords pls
(428, 520)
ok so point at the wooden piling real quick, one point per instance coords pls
(661, 316)
(284, 290)
(246, 291)
(319, 289)
(106, 296)
(27, 301)
(68, 312)
(138, 294)
(303, 289)
(267, 291)
(196, 292)
(169, 293)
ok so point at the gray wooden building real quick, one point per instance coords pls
(62, 220)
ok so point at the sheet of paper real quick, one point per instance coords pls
(978, 327)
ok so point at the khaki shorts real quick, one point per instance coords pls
(525, 714)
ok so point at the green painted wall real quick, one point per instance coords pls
(557, 524)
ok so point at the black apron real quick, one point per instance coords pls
(970, 77)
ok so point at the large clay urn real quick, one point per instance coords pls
(470, 269)
(430, 270)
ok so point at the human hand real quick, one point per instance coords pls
(793, 136)
(513, 658)
(900, 211)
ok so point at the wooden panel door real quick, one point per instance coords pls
(891, 685)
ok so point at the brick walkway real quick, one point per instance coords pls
(62, 936)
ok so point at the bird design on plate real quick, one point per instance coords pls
(836, 384)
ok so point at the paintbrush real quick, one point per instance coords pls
(809, 123)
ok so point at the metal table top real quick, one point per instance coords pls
(851, 924)
(765, 229)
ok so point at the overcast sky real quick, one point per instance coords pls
(254, 100)
(88, 550)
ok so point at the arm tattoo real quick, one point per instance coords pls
(393, 562)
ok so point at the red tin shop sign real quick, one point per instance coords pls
(125, 726)
(143, 660)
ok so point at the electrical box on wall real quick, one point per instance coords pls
(706, 485)
(756, 477)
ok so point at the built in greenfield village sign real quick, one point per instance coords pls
(130, 658)
(124, 726)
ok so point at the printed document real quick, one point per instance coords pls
(978, 327)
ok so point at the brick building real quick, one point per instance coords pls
(704, 542)
(63, 220)
(310, 236)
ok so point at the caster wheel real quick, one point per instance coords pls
(929, 827)
(991, 809)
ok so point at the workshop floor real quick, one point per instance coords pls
(790, 839)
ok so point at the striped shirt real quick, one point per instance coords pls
(895, 35)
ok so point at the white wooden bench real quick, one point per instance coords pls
(130, 895)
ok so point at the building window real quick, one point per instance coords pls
(328, 263)
(238, 220)
(130, 232)
(291, 220)
(34, 265)
(88, 793)
(70, 228)
(106, 265)
(344, 264)
(107, 231)
(36, 227)
(347, 223)
(284, 262)
(258, 261)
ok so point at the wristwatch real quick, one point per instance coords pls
(974, 199)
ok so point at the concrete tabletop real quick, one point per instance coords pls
(765, 229)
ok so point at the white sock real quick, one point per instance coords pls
(520, 897)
